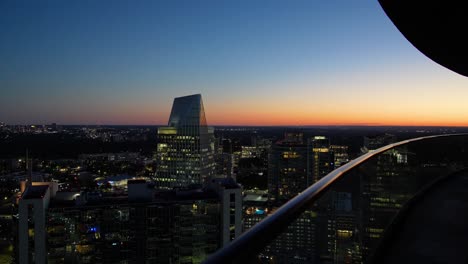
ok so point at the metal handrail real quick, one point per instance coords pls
(250, 243)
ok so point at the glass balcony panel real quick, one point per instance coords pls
(344, 217)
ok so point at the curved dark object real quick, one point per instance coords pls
(436, 28)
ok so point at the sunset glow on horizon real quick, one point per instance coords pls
(303, 64)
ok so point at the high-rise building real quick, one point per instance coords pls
(230, 196)
(340, 155)
(288, 168)
(296, 244)
(147, 226)
(339, 227)
(294, 166)
(321, 157)
(224, 165)
(385, 191)
(185, 151)
(32, 208)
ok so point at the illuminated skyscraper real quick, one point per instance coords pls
(288, 172)
(294, 166)
(322, 160)
(185, 152)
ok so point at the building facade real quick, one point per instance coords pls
(185, 150)
(322, 161)
(147, 226)
(288, 168)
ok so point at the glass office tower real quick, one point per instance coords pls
(185, 151)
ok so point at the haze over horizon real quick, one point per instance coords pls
(305, 63)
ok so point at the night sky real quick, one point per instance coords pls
(254, 62)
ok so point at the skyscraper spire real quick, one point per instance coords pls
(188, 111)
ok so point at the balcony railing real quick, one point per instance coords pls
(343, 216)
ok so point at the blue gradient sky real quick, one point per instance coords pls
(254, 62)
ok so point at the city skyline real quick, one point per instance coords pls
(255, 64)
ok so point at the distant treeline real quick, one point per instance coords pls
(64, 146)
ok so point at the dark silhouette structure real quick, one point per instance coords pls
(435, 28)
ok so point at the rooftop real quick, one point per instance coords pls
(172, 196)
(35, 192)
